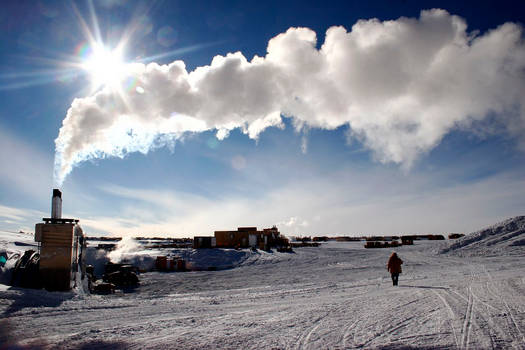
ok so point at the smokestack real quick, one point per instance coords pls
(56, 204)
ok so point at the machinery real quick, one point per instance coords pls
(61, 244)
(59, 263)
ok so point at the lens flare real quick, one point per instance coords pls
(83, 51)
(130, 84)
(105, 66)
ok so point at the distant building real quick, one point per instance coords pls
(203, 242)
(249, 237)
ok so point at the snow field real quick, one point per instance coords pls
(338, 296)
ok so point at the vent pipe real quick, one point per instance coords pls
(56, 204)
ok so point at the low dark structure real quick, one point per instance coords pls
(168, 263)
(407, 241)
(436, 237)
(379, 244)
(304, 244)
(107, 246)
(347, 239)
(121, 275)
(250, 237)
(200, 242)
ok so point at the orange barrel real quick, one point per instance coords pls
(161, 263)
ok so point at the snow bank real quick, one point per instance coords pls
(196, 259)
(504, 238)
(130, 251)
(215, 259)
(16, 241)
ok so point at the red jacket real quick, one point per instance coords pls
(394, 264)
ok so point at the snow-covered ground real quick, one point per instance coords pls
(337, 296)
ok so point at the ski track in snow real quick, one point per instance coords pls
(337, 296)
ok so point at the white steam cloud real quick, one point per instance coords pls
(399, 85)
(125, 246)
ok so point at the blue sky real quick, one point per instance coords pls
(398, 121)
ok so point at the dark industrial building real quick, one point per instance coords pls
(61, 242)
(250, 237)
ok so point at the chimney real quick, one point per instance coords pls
(56, 204)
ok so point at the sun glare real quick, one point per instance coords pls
(106, 67)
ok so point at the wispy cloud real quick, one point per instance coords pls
(19, 218)
(24, 168)
(347, 202)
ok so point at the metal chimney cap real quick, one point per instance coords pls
(57, 193)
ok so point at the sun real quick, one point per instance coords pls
(105, 66)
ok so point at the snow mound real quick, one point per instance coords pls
(504, 238)
(196, 259)
(215, 259)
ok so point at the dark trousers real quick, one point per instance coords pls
(395, 278)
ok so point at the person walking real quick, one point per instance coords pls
(394, 267)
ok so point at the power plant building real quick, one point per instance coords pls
(60, 244)
(247, 237)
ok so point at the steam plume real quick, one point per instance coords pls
(125, 246)
(399, 85)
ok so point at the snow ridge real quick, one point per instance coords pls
(504, 238)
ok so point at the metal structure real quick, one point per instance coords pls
(61, 243)
(246, 237)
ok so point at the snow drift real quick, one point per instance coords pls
(195, 259)
(398, 85)
(504, 238)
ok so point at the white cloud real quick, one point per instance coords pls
(400, 85)
(349, 201)
(16, 218)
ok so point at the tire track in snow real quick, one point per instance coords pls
(304, 339)
(483, 322)
(488, 326)
(332, 314)
(467, 323)
(467, 318)
(387, 321)
(347, 332)
(498, 337)
(509, 310)
(451, 314)
(471, 315)
(394, 322)
(385, 331)
(381, 320)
